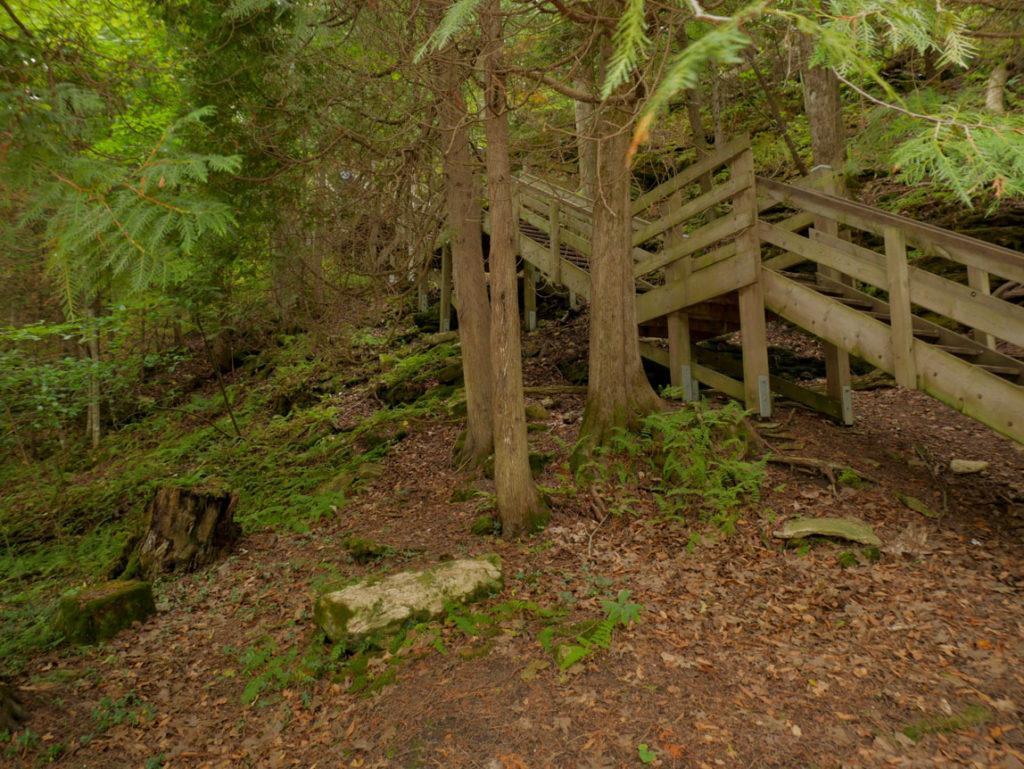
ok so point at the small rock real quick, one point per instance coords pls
(851, 529)
(99, 612)
(968, 466)
(536, 412)
(374, 608)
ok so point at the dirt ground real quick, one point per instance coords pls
(747, 653)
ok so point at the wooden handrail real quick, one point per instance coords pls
(709, 162)
(954, 246)
(933, 292)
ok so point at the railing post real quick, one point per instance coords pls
(837, 360)
(445, 320)
(680, 349)
(900, 318)
(977, 279)
(756, 381)
(554, 238)
(530, 295)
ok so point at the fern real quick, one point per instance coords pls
(455, 18)
(629, 43)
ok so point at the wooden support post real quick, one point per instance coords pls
(555, 240)
(977, 279)
(530, 296)
(900, 318)
(422, 297)
(837, 360)
(680, 349)
(445, 321)
(756, 383)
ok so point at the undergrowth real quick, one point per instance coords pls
(61, 526)
(693, 459)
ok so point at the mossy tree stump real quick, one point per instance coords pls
(99, 612)
(186, 529)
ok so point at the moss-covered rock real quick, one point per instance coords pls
(535, 412)
(99, 612)
(372, 609)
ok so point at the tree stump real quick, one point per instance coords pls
(186, 529)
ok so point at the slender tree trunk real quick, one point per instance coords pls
(618, 393)
(92, 414)
(824, 111)
(586, 148)
(464, 215)
(519, 505)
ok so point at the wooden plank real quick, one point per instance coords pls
(857, 333)
(720, 278)
(961, 385)
(708, 235)
(707, 376)
(953, 300)
(812, 399)
(900, 318)
(978, 281)
(688, 210)
(691, 173)
(954, 246)
(972, 391)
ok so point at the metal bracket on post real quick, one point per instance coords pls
(764, 397)
(847, 405)
(688, 383)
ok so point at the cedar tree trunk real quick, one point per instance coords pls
(519, 505)
(463, 205)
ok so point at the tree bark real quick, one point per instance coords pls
(995, 89)
(464, 215)
(824, 111)
(618, 393)
(519, 505)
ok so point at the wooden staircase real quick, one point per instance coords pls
(716, 249)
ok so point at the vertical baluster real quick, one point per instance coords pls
(837, 360)
(756, 383)
(977, 279)
(555, 238)
(901, 320)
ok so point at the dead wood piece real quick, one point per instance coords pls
(851, 529)
(833, 471)
(186, 529)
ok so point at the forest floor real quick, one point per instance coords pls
(747, 653)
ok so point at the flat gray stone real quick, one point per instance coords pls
(968, 466)
(851, 529)
(377, 607)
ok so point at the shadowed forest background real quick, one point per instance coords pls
(269, 334)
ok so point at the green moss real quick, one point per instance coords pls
(849, 477)
(968, 718)
(485, 525)
(99, 612)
